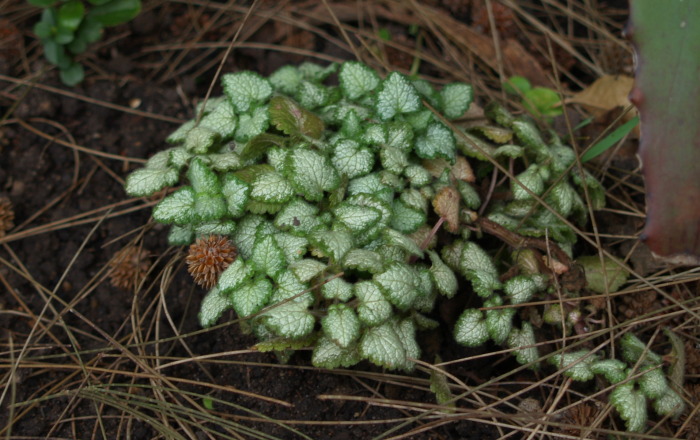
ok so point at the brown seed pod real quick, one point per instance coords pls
(128, 267)
(208, 257)
(7, 215)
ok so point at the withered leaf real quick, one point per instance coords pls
(446, 205)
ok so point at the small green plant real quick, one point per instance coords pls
(67, 27)
(541, 102)
(637, 379)
(333, 194)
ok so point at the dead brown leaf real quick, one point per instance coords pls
(461, 170)
(606, 93)
(446, 205)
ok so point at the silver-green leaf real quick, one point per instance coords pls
(341, 325)
(251, 297)
(383, 347)
(397, 95)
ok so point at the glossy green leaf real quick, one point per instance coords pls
(115, 12)
(542, 101)
(55, 53)
(70, 14)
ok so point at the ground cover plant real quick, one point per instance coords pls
(67, 28)
(104, 335)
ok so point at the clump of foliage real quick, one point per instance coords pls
(333, 194)
(638, 379)
(67, 27)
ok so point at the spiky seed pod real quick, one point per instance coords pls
(7, 215)
(208, 257)
(128, 267)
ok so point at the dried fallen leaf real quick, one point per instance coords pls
(606, 93)
(446, 205)
(461, 170)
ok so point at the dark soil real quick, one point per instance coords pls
(36, 172)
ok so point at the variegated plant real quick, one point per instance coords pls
(638, 379)
(326, 190)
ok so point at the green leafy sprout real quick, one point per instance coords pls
(67, 27)
(541, 102)
(331, 182)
